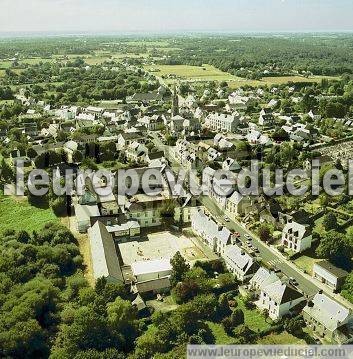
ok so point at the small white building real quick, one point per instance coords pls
(262, 278)
(238, 205)
(330, 275)
(83, 216)
(151, 276)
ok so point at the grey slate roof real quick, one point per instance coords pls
(104, 256)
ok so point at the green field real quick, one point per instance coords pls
(18, 214)
(210, 73)
(192, 73)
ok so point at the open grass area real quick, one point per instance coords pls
(5, 64)
(221, 337)
(254, 319)
(307, 260)
(306, 263)
(280, 339)
(17, 213)
(192, 73)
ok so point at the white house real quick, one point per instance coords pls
(83, 216)
(214, 235)
(296, 237)
(238, 205)
(222, 122)
(279, 299)
(230, 164)
(262, 278)
(240, 263)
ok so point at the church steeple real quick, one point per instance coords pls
(175, 102)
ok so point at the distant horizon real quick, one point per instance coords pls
(140, 33)
(160, 17)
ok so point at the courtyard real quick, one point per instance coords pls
(162, 245)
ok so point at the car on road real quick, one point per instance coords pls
(293, 282)
(226, 219)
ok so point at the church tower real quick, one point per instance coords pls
(175, 102)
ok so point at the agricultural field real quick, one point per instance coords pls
(171, 73)
(191, 73)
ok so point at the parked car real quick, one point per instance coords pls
(226, 219)
(247, 237)
(293, 282)
(236, 234)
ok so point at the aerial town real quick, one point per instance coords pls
(142, 275)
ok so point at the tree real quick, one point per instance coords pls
(179, 268)
(59, 206)
(264, 233)
(77, 157)
(335, 247)
(237, 317)
(244, 335)
(122, 318)
(330, 222)
(186, 290)
(295, 326)
(6, 172)
(223, 306)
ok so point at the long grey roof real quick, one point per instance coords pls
(104, 256)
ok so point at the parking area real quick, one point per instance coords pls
(161, 245)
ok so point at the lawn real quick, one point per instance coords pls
(280, 339)
(18, 214)
(307, 260)
(192, 73)
(221, 337)
(254, 319)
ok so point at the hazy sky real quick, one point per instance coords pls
(182, 15)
